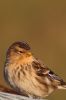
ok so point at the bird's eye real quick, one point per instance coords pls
(21, 51)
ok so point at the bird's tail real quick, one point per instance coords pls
(58, 80)
(62, 85)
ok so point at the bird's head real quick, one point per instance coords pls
(18, 49)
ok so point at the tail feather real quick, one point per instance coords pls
(59, 81)
(62, 85)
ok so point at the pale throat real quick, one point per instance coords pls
(26, 60)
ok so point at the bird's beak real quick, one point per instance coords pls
(29, 53)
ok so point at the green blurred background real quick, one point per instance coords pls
(42, 23)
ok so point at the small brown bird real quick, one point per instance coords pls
(27, 75)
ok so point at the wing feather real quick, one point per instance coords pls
(43, 70)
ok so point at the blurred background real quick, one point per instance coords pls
(41, 23)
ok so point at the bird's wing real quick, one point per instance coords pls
(42, 70)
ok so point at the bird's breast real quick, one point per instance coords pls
(21, 75)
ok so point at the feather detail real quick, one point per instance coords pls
(43, 71)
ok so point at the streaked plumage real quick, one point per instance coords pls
(28, 75)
